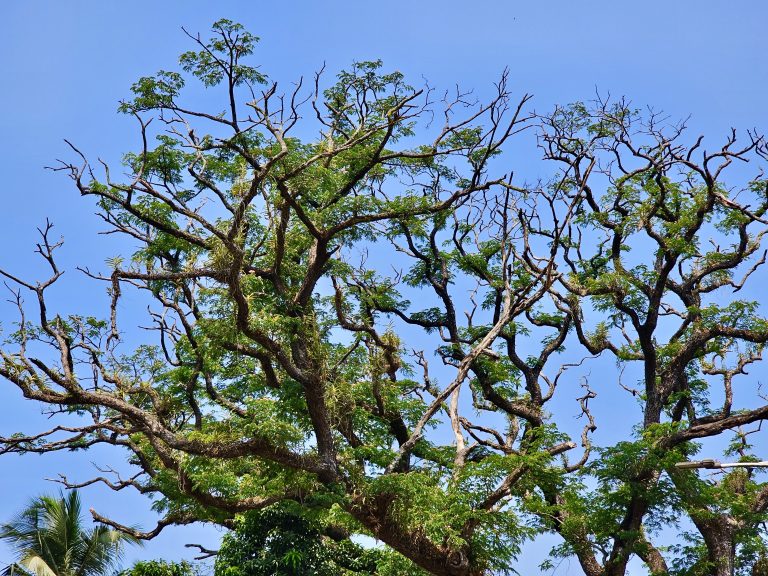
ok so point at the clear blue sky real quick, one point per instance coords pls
(65, 64)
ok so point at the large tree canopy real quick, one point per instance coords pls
(360, 311)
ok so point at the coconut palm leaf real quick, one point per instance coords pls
(49, 538)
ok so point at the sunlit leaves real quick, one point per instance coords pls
(152, 92)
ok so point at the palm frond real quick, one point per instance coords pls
(49, 539)
(36, 566)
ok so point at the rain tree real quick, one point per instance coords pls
(360, 312)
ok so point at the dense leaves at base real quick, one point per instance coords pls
(279, 541)
(160, 568)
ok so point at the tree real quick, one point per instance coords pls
(160, 568)
(290, 365)
(49, 539)
(278, 541)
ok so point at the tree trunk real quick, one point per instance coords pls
(718, 535)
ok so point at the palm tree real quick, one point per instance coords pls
(49, 539)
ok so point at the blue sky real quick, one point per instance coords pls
(66, 64)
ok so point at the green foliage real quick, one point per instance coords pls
(231, 40)
(281, 541)
(160, 568)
